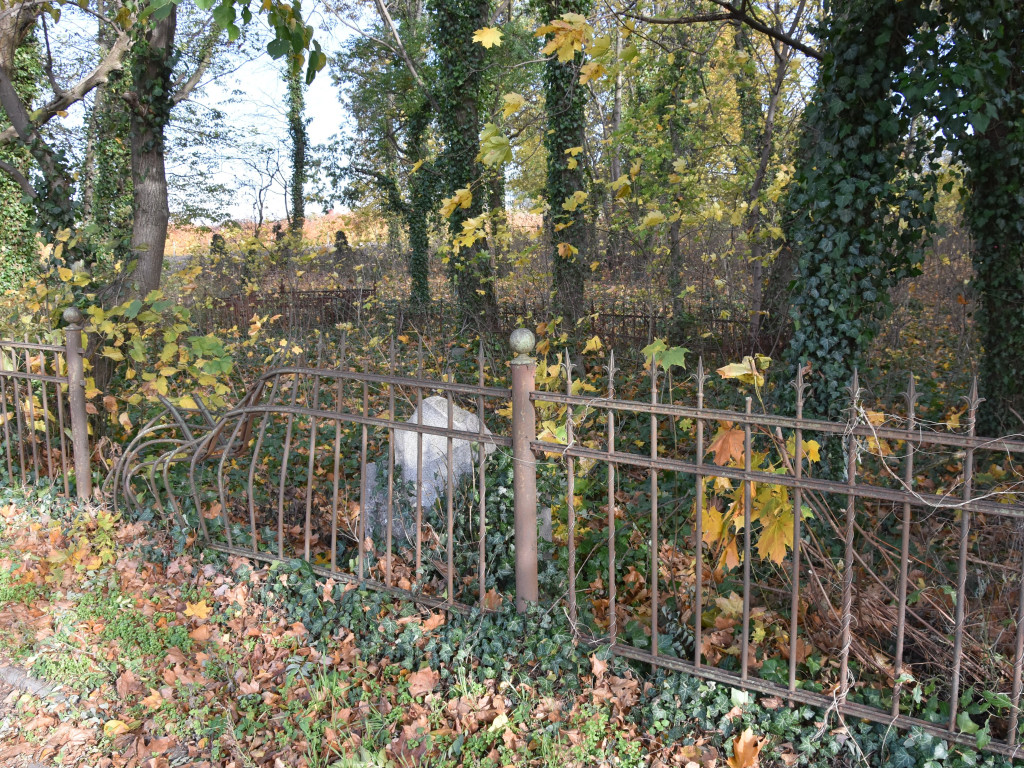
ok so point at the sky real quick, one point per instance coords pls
(253, 99)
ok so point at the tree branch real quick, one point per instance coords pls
(16, 174)
(112, 62)
(185, 89)
(732, 13)
(386, 18)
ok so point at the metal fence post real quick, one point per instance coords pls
(524, 467)
(76, 400)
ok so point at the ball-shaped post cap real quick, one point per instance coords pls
(522, 341)
(73, 316)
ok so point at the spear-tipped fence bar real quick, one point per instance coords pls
(287, 402)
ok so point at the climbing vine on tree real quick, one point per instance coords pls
(565, 98)
(460, 65)
(862, 201)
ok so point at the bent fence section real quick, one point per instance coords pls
(700, 539)
(43, 412)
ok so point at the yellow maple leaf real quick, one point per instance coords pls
(462, 198)
(812, 450)
(652, 219)
(487, 37)
(776, 533)
(113, 728)
(594, 345)
(745, 749)
(199, 610)
(592, 70)
(513, 103)
(728, 444)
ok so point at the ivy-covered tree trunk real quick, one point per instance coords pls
(153, 61)
(297, 133)
(991, 50)
(861, 203)
(565, 102)
(421, 201)
(18, 251)
(107, 199)
(460, 69)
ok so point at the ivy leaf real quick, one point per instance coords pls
(488, 37)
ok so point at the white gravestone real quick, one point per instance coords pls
(434, 463)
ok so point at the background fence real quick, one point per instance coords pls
(621, 324)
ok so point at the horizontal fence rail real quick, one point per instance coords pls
(873, 566)
(43, 412)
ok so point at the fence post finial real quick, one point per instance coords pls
(76, 400)
(524, 467)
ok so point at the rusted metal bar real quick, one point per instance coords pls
(76, 401)
(798, 460)
(846, 617)
(481, 462)
(1018, 662)
(369, 421)
(785, 422)
(860, 491)
(336, 481)
(58, 395)
(7, 420)
(901, 602)
(450, 498)
(419, 462)
(35, 346)
(286, 453)
(747, 499)
(389, 526)
(654, 509)
(361, 526)
(961, 576)
(45, 403)
(610, 458)
(698, 526)
(570, 497)
(524, 468)
(310, 469)
(30, 397)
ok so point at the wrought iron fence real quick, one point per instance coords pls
(297, 311)
(849, 603)
(43, 411)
